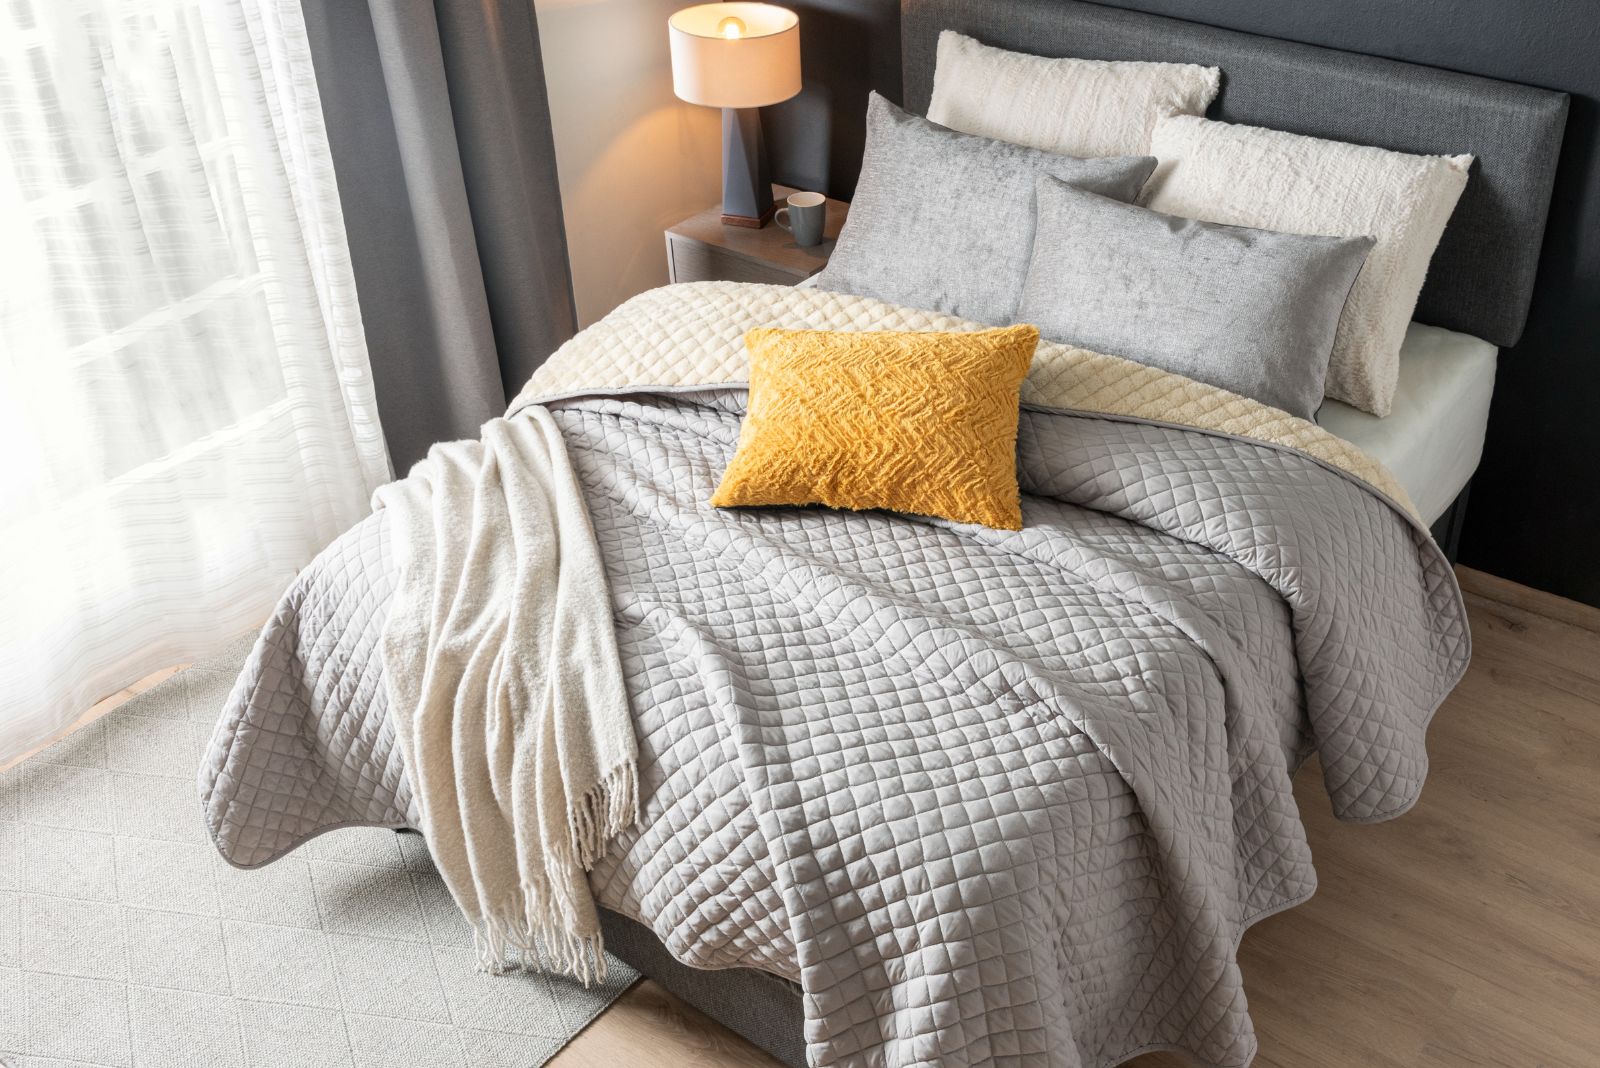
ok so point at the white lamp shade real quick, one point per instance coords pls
(735, 55)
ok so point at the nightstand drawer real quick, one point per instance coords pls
(693, 262)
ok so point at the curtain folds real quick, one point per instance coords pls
(441, 137)
(187, 412)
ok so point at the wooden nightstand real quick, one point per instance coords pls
(702, 249)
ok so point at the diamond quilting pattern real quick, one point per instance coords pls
(987, 796)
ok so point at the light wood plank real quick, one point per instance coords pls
(648, 1025)
(1549, 606)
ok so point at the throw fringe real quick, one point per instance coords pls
(543, 934)
(550, 948)
(602, 812)
(540, 932)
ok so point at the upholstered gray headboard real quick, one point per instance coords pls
(1481, 279)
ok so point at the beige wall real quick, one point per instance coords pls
(633, 158)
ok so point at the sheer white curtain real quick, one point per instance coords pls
(186, 406)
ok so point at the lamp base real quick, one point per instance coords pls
(755, 223)
(746, 180)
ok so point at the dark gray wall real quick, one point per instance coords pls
(847, 47)
(1535, 510)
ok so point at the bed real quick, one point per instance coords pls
(1476, 300)
(734, 894)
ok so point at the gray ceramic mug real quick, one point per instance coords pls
(803, 215)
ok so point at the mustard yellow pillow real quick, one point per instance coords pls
(911, 422)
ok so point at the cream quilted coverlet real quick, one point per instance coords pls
(692, 335)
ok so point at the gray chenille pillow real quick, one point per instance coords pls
(944, 220)
(1252, 311)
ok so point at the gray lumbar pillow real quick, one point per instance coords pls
(1252, 311)
(944, 220)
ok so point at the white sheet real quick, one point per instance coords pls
(1433, 438)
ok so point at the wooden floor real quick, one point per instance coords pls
(1467, 932)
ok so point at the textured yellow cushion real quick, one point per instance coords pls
(911, 422)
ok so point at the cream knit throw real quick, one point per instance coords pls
(506, 690)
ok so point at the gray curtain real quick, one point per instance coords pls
(440, 130)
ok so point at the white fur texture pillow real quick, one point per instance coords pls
(1076, 107)
(1249, 176)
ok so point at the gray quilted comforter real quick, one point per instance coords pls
(988, 797)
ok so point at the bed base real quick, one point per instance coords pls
(762, 1008)
(1447, 528)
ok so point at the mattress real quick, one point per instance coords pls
(1433, 438)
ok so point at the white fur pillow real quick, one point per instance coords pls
(1076, 107)
(1249, 176)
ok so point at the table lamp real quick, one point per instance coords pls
(738, 57)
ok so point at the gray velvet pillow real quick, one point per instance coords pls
(1252, 311)
(944, 220)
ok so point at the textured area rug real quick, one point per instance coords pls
(126, 940)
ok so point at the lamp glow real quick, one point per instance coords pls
(735, 55)
(738, 56)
